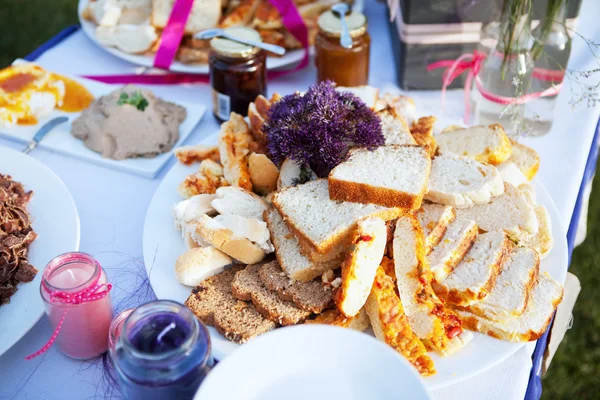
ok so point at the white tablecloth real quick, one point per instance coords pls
(112, 207)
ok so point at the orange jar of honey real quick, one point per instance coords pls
(344, 66)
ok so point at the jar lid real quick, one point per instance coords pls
(331, 24)
(230, 48)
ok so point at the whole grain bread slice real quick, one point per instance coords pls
(248, 286)
(213, 303)
(310, 296)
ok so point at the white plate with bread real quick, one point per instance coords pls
(132, 38)
(432, 254)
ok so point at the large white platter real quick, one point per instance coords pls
(89, 28)
(163, 244)
(61, 140)
(279, 364)
(56, 222)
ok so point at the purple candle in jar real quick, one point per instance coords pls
(163, 352)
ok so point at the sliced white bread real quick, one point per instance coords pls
(253, 229)
(511, 212)
(360, 265)
(287, 250)
(391, 325)
(528, 189)
(434, 219)
(324, 226)
(510, 294)
(394, 128)
(391, 176)
(200, 263)
(512, 174)
(437, 326)
(227, 241)
(545, 297)
(403, 105)
(132, 39)
(458, 239)
(475, 276)
(292, 174)
(192, 208)
(462, 182)
(204, 14)
(367, 94)
(488, 144)
(525, 158)
(237, 201)
(543, 241)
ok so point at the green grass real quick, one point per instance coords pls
(575, 370)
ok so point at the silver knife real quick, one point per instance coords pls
(47, 127)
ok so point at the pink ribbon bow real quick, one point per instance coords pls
(470, 62)
(95, 291)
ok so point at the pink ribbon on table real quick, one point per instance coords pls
(470, 62)
(291, 19)
(95, 291)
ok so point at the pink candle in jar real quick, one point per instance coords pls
(76, 296)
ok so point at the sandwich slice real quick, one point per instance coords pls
(531, 325)
(438, 327)
(391, 176)
(458, 239)
(360, 265)
(434, 220)
(323, 226)
(391, 325)
(510, 294)
(488, 144)
(296, 265)
(461, 182)
(511, 212)
(474, 277)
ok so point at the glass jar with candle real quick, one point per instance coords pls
(75, 292)
(344, 66)
(238, 73)
(162, 352)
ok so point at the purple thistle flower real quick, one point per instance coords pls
(319, 128)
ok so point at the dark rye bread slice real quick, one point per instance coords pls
(212, 301)
(310, 296)
(247, 286)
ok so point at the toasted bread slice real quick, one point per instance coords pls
(488, 144)
(511, 212)
(394, 128)
(461, 182)
(333, 317)
(292, 174)
(391, 325)
(513, 286)
(437, 326)
(324, 226)
(360, 265)
(391, 176)
(296, 265)
(234, 146)
(422, 131)
(247, 286)
(475, 276)
(525, 158)
(212, 301)
(434, 219)
(310, 296)
(531, 325)
(227, 241)
(238, 201)
(458, 239)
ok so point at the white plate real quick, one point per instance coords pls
(56, 222)
(61, 140)
(163, 244)
(89, 28)
(313, 362)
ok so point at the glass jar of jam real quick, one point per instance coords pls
(344, 66)
(238, 73)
